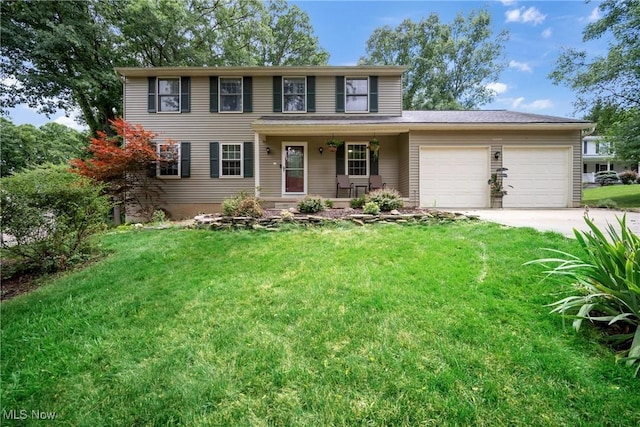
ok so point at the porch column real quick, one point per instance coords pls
(256, 166)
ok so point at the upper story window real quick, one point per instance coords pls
(169, 160)
(357, 94)
(357, 159)
(294, 94)
(231, 159)
(169, 94)
(230, 94)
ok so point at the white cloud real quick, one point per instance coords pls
(595, 15)
(520, 66)
(508, 2)
(497, 87)
(539, 104)
(71, 122)
(547, 33)
(524, 15)
(520, 104)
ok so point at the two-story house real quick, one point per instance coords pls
(264, 130)
(597, 156)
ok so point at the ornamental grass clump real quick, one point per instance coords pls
(311, 204)
(242, 205)
(387, 199)
(606, 285)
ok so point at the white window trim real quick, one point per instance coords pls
(346, 159)
(158, 94)
(346, 95)
(304, 94)
(241, 161)
(220, 94)
(179, 161)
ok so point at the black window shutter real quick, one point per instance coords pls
(311, 94)
(213, 94)
(214, 159)
(340, 160)
(277, 94)
(185, 159)
(373, 163)
(247, 94)
(152, 167)
(185, 97)
(340, 94)
(248, 159)
(151, 95)
(373, 94)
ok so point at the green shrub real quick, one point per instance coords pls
(51, 214)
(386, 198)
(328, 203)
(606, 283)
(311, 204)
(606, 203)
(628, 177)
(371, 208)
(358, 202)
(242, 205)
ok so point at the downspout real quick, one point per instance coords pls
(256, 167)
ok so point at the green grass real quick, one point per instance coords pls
(382, 325)
(625, 196)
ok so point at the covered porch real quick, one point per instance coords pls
(294, 159)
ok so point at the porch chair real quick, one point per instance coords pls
(343, 184)
(375, 182)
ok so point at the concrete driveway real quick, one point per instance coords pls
(559, 220)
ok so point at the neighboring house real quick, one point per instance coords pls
(264, 130)
(597, 156)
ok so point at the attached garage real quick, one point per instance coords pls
(454, 177)
(537, 177)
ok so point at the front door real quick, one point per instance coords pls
(294, 168)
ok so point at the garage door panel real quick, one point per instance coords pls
(454, 177)
(536, 177)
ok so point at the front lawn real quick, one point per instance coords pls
(624, 196)
(379, 325)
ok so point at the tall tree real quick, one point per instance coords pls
(612, 80)
(448, 65)
(25, 145)
(60, 54)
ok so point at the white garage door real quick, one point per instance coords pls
(454, 177)
(540, 177)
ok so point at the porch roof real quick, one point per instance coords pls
(414, 121)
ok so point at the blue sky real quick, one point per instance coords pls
(539, 30)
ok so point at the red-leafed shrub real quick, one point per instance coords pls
(123, 163)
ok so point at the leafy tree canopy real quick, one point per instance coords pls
(448, 65)
(611, 81)
(61, 54)
(24, 146)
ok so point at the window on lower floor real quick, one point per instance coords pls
(231, 159)
(168, 159)
(357, 159)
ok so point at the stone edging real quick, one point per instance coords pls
(219, 222)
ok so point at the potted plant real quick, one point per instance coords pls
(497, 190)
(334, 143)
(374, 146)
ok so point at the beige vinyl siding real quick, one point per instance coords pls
(403, 166)
(389, 96)
(200, 127)
(322, 167)
(496, 139)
